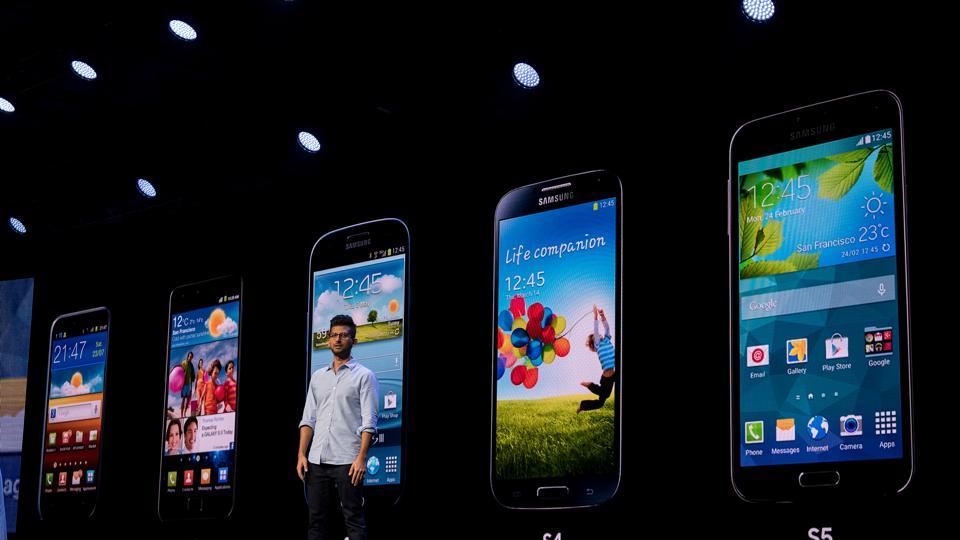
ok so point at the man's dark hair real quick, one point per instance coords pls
(191, 420)
(344, 320)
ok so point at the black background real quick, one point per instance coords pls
(420, 120)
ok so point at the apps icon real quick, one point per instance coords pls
(786, 429)
(89, 476)
(93, 435)
(48, 479)
(62, 479)
(188, 477)
(390, 400)
(391, 464)
(758, 355)
(850, 425)
(172, 479)
(753, 431)
(204, 477)
(837, 346)
(885, 422)
(818, 427)
(877, 341)
(222, 475)
(797, 351)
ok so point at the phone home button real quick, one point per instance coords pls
(819, 479)
(552, 492)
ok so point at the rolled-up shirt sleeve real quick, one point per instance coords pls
(369, 404)
(310, 408)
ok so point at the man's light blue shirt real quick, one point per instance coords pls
(340, 406)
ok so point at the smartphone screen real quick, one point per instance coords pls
(73, 432)
(201, 400)
(819, 302)
(557, 364)
(361, 272)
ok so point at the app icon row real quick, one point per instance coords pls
(76, 478)
(189, 477)
(818, 427)
(70, 436)
(876, 342)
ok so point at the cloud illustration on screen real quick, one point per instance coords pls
(329, 303)
(227, 327)
(69, 389)
(389, 283)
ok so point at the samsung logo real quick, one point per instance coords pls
(553, 199)
(809, 132)
(358, 243)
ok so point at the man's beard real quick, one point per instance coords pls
(344, 354)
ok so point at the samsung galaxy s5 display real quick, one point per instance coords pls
(819, 298)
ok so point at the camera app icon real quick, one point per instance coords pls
(851, 425)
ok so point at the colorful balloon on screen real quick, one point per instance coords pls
(525, 345)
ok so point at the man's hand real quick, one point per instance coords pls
(302, 465)
(357, 469)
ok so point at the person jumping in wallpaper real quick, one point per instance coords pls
(603, 346)
(188, 377)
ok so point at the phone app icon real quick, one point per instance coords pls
(93, 435)
(172, 479)
(62, 479)
(48, 479)
(797, 351)
(222, 475)
(818, 427)
(204, 477)
(188, 478)
(753, 431)
(851, 425)
(89, 476)
(758, 355)
(786, 429)
(837, 346)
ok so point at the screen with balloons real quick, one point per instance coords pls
(555, 360)
(71, 444)
(201, 399)
(372, 293)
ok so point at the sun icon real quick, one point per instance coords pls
(873, 205)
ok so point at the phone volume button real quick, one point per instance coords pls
(729, 209)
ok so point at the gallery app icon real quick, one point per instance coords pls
(797, 351)
(390, 400)
(204, 477)
(188, 477)
(222, 475)
(89, 476)
(786, 429)
(62, 479)
(837, 346)
(753, 432)
(93, 435)
(48, 479)
(172, 479)
(758, 355)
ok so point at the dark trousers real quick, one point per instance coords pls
(325, 483)
(602, 390)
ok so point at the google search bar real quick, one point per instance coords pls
(75, 411)
(819, 297)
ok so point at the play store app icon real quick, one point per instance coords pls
(837, 346)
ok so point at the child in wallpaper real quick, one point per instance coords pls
(603, 346)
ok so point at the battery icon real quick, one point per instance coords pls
(389, 251)
(596, 206)
(866, 139)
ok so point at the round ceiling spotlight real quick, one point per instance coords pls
(146, 188)
(83, 70)
(758, 10)
(183, 30)
(525, 75)
(309, 142)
